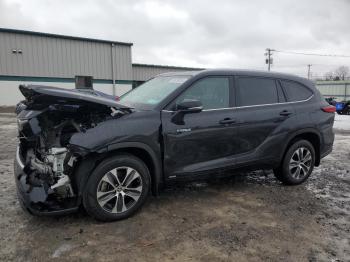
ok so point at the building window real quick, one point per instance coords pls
(83, 82)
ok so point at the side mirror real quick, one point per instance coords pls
(189, 106)
(186, 107)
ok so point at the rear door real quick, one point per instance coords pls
(262, 114)
(202, 141)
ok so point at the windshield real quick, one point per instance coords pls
(150, 94)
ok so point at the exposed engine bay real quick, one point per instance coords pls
(46, 125)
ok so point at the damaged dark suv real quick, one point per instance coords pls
(79, 150)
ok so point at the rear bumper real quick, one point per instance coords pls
(327, 141)
(326, 151)
(36, 199)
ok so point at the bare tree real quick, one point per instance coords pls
(342, 72)
(329, 75)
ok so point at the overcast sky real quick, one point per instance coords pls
(201, 33)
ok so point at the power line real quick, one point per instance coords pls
(312, 54)
(325, 66)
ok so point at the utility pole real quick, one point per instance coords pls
(269, 59)
(309, 71)
(113, 75)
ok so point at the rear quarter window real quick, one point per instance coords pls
(295, 91)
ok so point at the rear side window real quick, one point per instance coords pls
(256, 91)
(295, 91)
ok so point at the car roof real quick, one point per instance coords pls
(241, 72)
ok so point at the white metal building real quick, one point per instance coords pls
(340, 90)
(28, 57)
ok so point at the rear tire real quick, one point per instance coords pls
(297, 164)
(117, 188)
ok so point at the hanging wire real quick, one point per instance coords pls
(311, 54)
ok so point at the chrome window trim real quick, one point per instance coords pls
(237, 107)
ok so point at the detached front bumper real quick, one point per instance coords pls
(35, 199)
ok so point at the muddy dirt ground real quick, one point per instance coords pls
(248, 217)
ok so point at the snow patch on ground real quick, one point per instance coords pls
(62, 249)
(342, 122)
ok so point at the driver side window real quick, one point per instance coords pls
(212, 92)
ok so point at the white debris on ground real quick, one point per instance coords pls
(62, 249)
(342, 122)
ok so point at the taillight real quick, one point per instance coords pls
(328, 109)
(117, 98)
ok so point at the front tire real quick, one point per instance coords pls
(117, 188)
(297, 164)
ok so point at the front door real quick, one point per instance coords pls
(201, 141)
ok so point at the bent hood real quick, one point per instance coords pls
(49, 94)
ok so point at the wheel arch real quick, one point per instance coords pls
(140, 150)
(309, 134)
(147, 155)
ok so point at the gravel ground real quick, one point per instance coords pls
(248, 217)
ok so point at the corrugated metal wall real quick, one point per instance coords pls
(142, 72)
(45, 56)
(122, 57)
(339, 90)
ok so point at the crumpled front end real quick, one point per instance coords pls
(45, 160)
(41, 191)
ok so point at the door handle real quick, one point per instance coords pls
(285, 113)
(226, 121)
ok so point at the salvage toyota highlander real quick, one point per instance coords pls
(79, 150)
